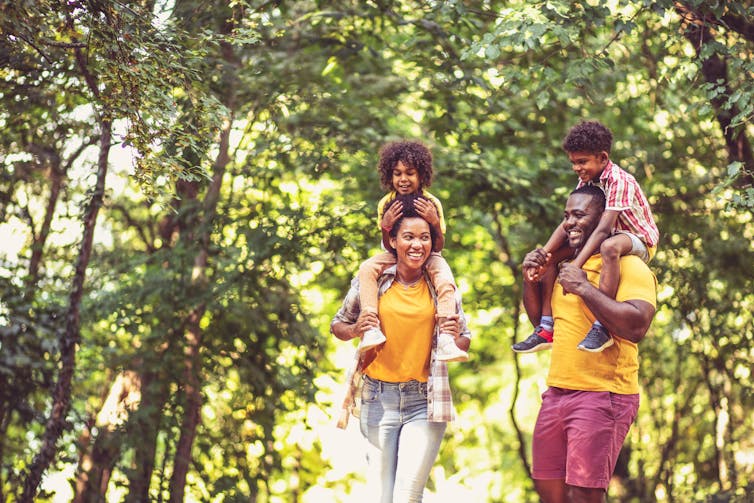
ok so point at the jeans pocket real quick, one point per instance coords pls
(369, 391)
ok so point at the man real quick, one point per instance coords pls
(592, 398)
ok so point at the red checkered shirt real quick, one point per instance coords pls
(623, 193)
(439, 397)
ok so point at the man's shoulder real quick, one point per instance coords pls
(636, 274)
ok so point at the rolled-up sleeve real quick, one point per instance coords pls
(351, 307)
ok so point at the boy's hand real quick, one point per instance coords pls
(392, 215)
(427, 210)
(535, 263)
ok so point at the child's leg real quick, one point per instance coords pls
(445, 287)
(444, 283)
(369, 271)
(612, 249)
(542, 336)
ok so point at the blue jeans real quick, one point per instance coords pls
(403, 445)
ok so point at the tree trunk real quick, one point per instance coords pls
(192, 360)
(61, 397)
(715, 71)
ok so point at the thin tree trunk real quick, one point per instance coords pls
(192, 360)
(62, 393)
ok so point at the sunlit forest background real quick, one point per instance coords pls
(188, 187)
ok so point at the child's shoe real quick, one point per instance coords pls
(596, 340)
(372, 337)
(539, 340)
(447, 351)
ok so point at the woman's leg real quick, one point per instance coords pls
(418, 445)
(381, 425)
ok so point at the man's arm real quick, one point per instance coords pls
(629, 319)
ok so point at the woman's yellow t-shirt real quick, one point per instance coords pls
(407, 318)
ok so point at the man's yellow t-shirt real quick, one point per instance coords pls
(616, 369)
(391, 195)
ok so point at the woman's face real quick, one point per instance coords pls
(412, 242)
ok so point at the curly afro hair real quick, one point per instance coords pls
(410, 153)
(588, 136)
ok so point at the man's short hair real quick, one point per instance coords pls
(593, 191)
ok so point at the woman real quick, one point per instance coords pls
(405, 393)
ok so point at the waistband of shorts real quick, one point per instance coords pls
(402, 386)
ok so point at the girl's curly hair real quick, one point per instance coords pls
(411, 153)
(588, 136)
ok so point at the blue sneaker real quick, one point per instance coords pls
(597, 340)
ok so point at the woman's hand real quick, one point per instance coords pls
(450, 325)
(365, 321)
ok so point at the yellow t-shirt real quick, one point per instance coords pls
(616, 369)
(407, 318)
(391, 195)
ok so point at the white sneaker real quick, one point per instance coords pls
(447, 351)
(372, 337)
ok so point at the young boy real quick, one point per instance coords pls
(406, 168)
(626, 228)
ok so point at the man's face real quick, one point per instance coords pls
(580, 218)
(588, 166)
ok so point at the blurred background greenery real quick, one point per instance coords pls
(188, 188)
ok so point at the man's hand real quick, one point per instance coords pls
(535, 263)
(428, 211)
(572, 279)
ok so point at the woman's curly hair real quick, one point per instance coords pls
(588, 136)
(411, 153)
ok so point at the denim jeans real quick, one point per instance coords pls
(402, 444)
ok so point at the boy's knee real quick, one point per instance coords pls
(611, 248)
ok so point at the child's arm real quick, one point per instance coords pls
(603, 231)
(393, 213)
(428, 211)
(556, 242)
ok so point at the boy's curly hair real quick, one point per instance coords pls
(412, 154)
(588, 136)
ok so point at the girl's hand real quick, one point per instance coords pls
(393, 213)
(428, 211)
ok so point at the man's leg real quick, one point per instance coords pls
(551, 491)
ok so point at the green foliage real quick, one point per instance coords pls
(312, 89)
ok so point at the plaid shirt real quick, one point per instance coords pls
(623, 193)
(439, 398)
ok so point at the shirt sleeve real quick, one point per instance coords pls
(350, 309)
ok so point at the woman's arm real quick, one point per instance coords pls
(346, 331)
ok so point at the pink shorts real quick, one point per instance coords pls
(579, 434)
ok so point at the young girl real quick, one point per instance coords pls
(406, 168)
